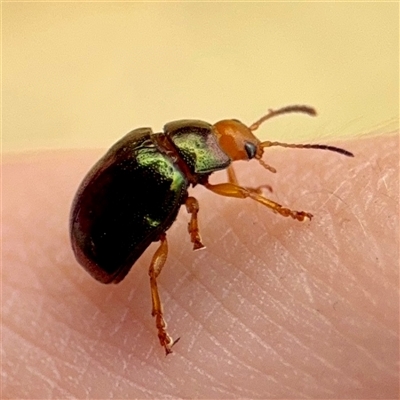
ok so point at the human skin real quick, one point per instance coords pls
(272, 308)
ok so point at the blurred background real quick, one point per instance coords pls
(83, 74)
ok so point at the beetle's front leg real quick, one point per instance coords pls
(157, 263)
(232, 190)
(192, 207)
(232, 178)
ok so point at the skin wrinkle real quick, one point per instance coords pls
(306, 286)
(120, 322)
(277, 280)
(227, 309)
(33, 370)
(320, 282)
(98, 311)
(321, 359)
(375, 279)
(122, 379)
(214, 339)
(297, 341)
(203, 373)
(366, 294)
(24, 337)
(52, 386)
(125, 379)
(360, 347)
(211, 378)
(66, 363)
(361, 225)
(344, 302)
(260, 341)
(193, 338)
(102, 312)
(59, 319)
(331, 236)
(331, 195)
(227, 352)
(271, 377)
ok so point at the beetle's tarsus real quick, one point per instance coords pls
(168, 348)
(259, 189)
(297, 215)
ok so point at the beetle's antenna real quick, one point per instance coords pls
(284, 110)
(308, 146)
(289, 109)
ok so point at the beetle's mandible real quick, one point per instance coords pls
(132, 195)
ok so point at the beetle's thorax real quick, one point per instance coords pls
(195, 148)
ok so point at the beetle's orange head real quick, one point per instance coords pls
(239, 142)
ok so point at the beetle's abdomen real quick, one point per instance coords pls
(129, 198)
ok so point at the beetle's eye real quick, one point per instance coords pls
(251, 150)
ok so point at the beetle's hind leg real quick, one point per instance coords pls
(232, 178)
(231, 190)
(192, 207)
(157, 264)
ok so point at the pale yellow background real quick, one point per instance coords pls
(84, 74)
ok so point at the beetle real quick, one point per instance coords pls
(131, 196)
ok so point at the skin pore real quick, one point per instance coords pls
(271, 308)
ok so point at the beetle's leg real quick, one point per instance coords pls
(232, 190)
(157, 263)
(192, 207)
(232, 178)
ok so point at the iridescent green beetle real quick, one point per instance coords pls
(132, 195)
